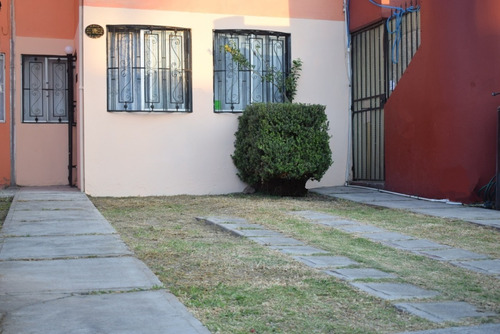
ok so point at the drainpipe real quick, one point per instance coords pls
(80, 125)
(12, 73)
(347, 14)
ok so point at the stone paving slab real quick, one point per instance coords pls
(384, 236)
(340, 190)
(416, 244)
(495, 223)
(412, 204)
(361, 229)
(144, 312)
(480, 329)
(223, 220)
(75, 275)
(452, 254)
(443, 311)
(326, 261)
(258, 233)
(372, 198)
(351, 274)
(299, 250)
(395, 291)
(488, 267)
(56, 215)
(23, 195)
(79, 204)
(335, 222)
(243, 226)
(19, 248)
(40, 228)
(462, 213)
(276, 241)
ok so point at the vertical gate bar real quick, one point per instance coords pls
(69, 66)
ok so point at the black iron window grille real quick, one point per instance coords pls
(45, 89)
(149, 69)
(236, 86)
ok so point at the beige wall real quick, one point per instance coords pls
(130, 154)
(41, 150)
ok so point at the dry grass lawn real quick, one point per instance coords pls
(236, 286)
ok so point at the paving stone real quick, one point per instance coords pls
(361, 229)
(372, 198)
(258, 233)
(242, 226)
(392, 236)
(299, 250)
(443, 311)
(489, 267)
(462, 213)
(276, 241)
(495, 223)
(18, 248)
(452, 254)
(40, 228)
(415, 244)
(77, 204)
(394, 291)
(223, 220)
(56, 215)
(326, 261)
(136, 312)
(75, 275)
(351, 274)
(480, 329)
(341, 190)
(335, 222)
(411, 204)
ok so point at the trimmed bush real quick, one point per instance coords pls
(280, 146)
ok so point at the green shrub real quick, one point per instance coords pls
(280, 146)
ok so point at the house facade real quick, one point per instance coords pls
(132, 97)
(156, 102)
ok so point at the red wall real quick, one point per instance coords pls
(441, 119)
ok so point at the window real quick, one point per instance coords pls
(149, 69)
(2, 87)
(45, 89)
(235, 86)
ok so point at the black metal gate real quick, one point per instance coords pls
(368, 97)
(380, 56)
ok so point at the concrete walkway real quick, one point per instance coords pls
(406, 297)
(437, 208)
(64, 269)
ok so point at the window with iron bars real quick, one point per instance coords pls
(45, 89)
(236, 86)
(149, 69)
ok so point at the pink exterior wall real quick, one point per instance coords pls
(311, 9)
(43, 27)
(129, 153)
(441, 119)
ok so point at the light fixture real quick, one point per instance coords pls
(69, 50)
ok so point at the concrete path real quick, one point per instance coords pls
(438, 208)
(63, 269)
(406, 297)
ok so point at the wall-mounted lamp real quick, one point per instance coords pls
(70, 52)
